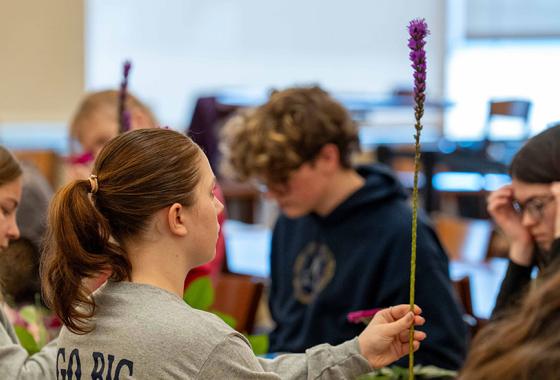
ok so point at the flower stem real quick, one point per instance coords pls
(413, 252)
(418, 30)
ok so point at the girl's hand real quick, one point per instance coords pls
(500, 208)
(385, 339)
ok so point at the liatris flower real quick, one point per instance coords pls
(361, 316)
(124, 114)
(418, 30)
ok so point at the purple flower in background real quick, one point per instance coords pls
(361, 316)
(124, 114)
(81, 159)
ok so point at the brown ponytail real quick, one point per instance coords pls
(79, 248)
(138, 173)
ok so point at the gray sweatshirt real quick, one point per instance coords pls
(16, 364)
(144, 332)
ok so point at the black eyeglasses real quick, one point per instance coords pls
(279, 187)
(534, 207)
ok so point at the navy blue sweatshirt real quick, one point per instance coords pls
(356, 258)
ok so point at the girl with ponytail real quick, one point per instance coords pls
(95, 122)
(148, 212)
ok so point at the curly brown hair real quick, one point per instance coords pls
(290, 129)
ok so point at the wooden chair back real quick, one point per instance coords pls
(238, 296)
(464, 239)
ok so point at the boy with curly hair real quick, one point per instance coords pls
(342, 242)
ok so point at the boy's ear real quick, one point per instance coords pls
(329, 157)
(176, 219)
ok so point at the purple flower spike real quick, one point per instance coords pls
(418, 30)
(124, 114)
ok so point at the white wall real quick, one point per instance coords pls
(182, 47)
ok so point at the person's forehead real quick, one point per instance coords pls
(11, 192)
(95, 127)
(205, 169)
(525, 191)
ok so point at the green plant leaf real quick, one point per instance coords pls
(26, 340)
(376, 376)
(29, 314)
(231, 322)
(431, 371)
(200, 293)
(401, 373)
(43, 335)
(259, 343)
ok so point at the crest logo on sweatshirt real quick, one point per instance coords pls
(313, 270)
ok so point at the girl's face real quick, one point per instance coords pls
(203, 215)
(10, 196)
(99, 130)
(538, 212)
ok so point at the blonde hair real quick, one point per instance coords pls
(105, 102)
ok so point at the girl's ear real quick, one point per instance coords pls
(176, 220)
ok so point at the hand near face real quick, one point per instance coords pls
(385, 339)
(501, 210)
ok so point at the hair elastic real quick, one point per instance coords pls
(93, 183)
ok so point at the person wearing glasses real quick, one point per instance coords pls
(342, 241)
(148, 212)
(528, 212)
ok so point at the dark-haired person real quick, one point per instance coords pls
(527, 212)
(343, 241)
(15, 363)
(148, 212)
